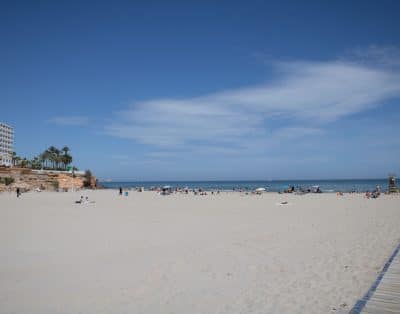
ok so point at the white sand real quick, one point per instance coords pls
(227, 253)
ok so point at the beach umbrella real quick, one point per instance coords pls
(260, 190)
(166, 187)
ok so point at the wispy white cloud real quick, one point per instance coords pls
(388, 56)
(302, 99)
(70, 120)
(293, 132)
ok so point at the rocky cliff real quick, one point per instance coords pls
(28, 179)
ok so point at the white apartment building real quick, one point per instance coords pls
(6, 144)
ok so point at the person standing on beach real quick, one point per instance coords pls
(120, 191)
(18, 192)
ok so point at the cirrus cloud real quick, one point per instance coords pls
(302, 99)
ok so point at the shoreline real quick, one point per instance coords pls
(327, 186)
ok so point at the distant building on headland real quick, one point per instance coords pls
(6, 144)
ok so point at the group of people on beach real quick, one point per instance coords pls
(199, 191)
(374, 194)
(84, 200)
(291, 189)
(167, 191)
(301, 190)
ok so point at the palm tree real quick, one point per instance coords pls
(43, 159)
(47, 157)
(24, 163)
(35, 163)
(17, 160)
(57, 153)
(65, 149)
(66, 158)
(52, 156)
(14, 158)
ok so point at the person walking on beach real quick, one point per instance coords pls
(120, 191)
(18, 192)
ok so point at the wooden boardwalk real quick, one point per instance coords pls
(384, 295)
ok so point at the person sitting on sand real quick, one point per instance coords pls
(290, 189)
(368, 194)
(80, 201)
(89, 202)
(376, 193)
(378, 190)
(84, 201)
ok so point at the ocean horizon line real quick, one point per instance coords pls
(241, 180)
(326, 185)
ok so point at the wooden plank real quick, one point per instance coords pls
(383, 306)
(384, 295)
(385, 299)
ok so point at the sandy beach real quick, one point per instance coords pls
(226, 253)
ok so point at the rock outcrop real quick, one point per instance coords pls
(28, 179)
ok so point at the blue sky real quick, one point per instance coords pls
(206, 91)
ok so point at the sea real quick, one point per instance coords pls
(327, 186)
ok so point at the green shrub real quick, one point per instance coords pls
(88, 178)
(55, 185)
(7, 180)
